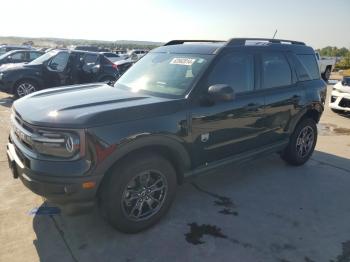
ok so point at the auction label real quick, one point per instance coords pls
(183, 61)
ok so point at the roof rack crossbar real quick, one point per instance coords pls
(242, 41)
(180, 42)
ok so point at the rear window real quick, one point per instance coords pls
(308, 70)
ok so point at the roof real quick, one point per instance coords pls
(212, 46)
(190, 48)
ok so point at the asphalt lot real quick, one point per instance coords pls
(259, 211)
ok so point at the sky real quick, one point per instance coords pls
(319, 23)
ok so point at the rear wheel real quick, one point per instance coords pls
(24, 88)
(302, 143)
(138, 192)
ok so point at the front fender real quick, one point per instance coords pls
(135, 143)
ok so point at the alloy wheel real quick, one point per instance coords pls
(144, 195)
(305, 141)
(25, 89)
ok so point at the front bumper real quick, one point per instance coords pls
(340, 101)
(66, 191)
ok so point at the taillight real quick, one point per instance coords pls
(114, 66)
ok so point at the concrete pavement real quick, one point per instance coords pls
(259, 211)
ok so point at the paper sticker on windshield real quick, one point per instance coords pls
(183, 61)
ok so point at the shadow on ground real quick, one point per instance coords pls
(263, 210)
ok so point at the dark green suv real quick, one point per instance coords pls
(184, 108)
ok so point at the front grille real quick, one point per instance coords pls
(22, 131)
(344, 102)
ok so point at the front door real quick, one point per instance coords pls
(57, 70)
(226, 128)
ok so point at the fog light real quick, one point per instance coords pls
(88, 185)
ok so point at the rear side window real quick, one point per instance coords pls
(235, 70)
(308, 70)
(34, 55)
(90, 59)
(276, 70)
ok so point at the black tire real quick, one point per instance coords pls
(24, 88)
(113, 192)
(108, 80)
(292, 154)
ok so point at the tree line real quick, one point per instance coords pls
(343, 53)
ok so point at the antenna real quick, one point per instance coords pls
(274, 34)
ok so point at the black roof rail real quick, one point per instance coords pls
(180, 42)
(242, 41)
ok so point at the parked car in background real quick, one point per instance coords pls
(57, 68)
(326, 66)
(91, 48)
(180, 111)
(340, 96)
(112, 56)
(136, 54)
(6, 48)
(123, 65)
(19, 56)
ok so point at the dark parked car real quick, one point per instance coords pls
(19, 56)
(57, 68)
(7, 48)
(180, 111)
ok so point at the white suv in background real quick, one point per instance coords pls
(340, 97)
(136, 54)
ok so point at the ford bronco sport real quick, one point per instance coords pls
(183, 109)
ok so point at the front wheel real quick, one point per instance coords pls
(302, 143)
(24, 88)
(138, 192)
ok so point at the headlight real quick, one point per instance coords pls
(60, 144)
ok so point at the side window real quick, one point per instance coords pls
(90, 60)
(59, 62)
(33, 55)
(308, 69)
(276, 70)
(17, 57)
(236, 70)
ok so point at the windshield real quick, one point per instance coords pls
(164, 74)
(44, 57)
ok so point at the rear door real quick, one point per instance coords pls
(283, 96)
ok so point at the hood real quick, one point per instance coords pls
(342, 88)
(83, 106)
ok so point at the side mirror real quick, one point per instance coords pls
(221, 92)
